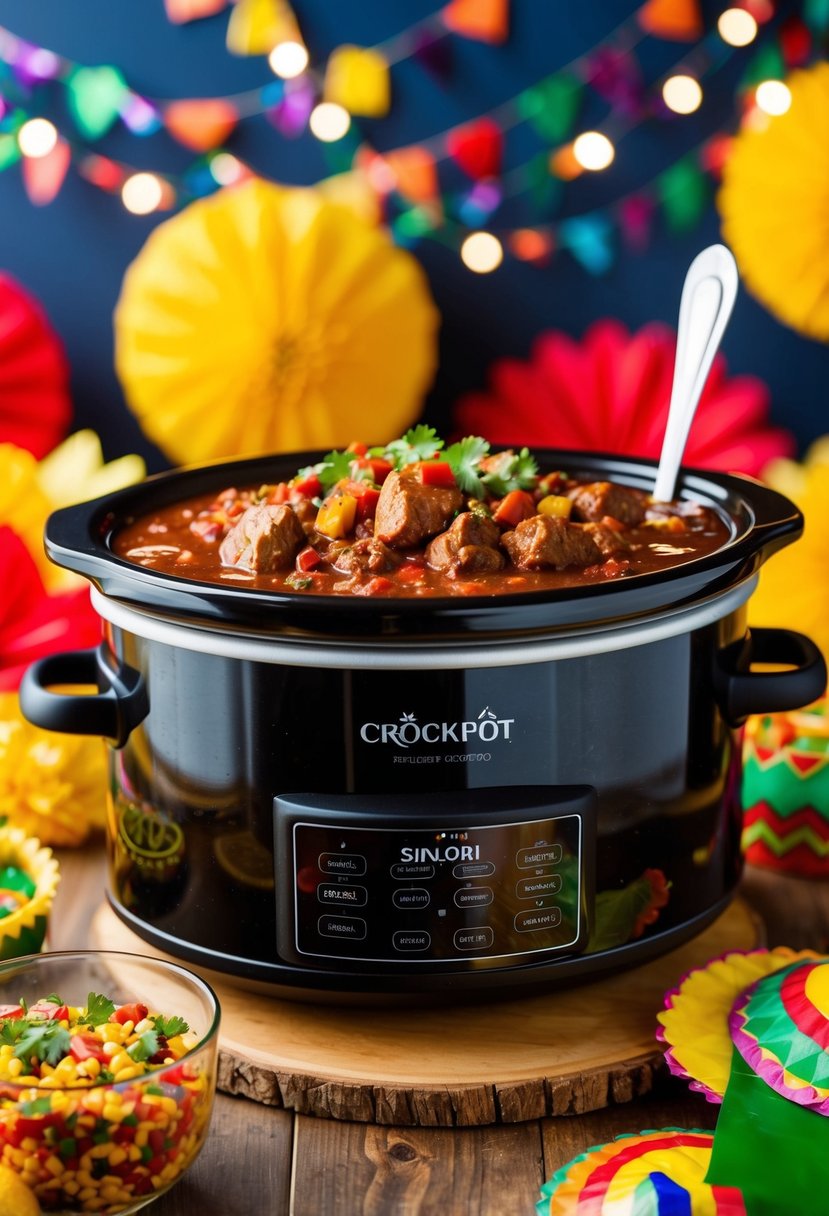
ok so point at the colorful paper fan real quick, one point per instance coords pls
(652, 1173)
(35, 407)
(610, 392)
(786, 791)
(780, 1027)
(266, 319)
(694, 1023)
(23, 930)
(774, 200)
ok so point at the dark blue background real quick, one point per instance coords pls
(73, 253)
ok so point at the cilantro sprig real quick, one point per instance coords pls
(419, 443)
(36, 1038)
(144, 1047)
(476, 471)
(99, 1009)
(171, 1026)
(464, 458)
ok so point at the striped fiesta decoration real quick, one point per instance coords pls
(780, 1026)
(651, 1173)
(786, 792)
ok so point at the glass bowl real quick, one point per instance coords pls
(109, 1147)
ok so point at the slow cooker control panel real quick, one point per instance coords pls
(487, 877)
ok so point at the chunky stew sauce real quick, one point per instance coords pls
(417, 519)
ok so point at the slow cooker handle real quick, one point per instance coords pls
(119, 705)
(742, 692)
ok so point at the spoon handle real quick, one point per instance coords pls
(708, 296)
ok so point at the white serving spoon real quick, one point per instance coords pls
(708, 296)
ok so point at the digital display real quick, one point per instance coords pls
(380, 888)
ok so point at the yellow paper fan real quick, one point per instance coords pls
(774, 204)
(694, 1024)
(267, 319)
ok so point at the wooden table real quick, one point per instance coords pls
(260, 1161)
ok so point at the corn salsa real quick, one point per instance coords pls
(98, 1105)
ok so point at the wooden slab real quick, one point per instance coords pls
(560, 1053)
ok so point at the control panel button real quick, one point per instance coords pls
(530, 922)
(534, 888)
(480, 938)
(410, 897)
(407, 871)
(342, 895)
(346, 928)
(541, 855)
(411, 939)
(342, 863)
(473, 897)
(473, 869)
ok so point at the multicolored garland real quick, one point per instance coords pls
(406, 179)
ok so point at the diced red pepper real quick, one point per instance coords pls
(367, 497)
(359, 449)
(615, 525)
(83, 1046)
(375, 586)
(378, 469)
(279, 494)
(410, 573)
(135, 1012)
(307, 487)
(11, 1011)
(514, 507)
(435, 473)
(46, 1009)
(307, 559)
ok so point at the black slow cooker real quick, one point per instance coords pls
(332, 794)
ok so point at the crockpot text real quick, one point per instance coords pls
(486, 728)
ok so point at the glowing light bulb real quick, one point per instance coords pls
(682, 94)
(593, 150)
(737, 27)
(37, 137)
(329, 121)
(142, 193)
(225, 168)
(773, 97)
(288, 59)
(482, 252)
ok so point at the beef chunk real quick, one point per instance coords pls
(545, 542)
(408, 512)
(468, 546)
(367, 556)
(265, 539)
(607, 539)
(602, 498)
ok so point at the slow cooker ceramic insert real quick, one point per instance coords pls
(331, 794)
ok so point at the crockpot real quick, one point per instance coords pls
(454, 795)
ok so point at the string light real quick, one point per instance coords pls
(773, 97)
(226, 169)
(142, 193)
(682, 94)
(737, 27)
(482, 252)
(37, 137)
(593, 150)
(329, 121)
(288, 59)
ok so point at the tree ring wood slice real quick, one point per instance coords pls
(560, 1053)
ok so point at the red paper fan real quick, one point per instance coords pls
(35, 408)
(32, 623)
(610, 393)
